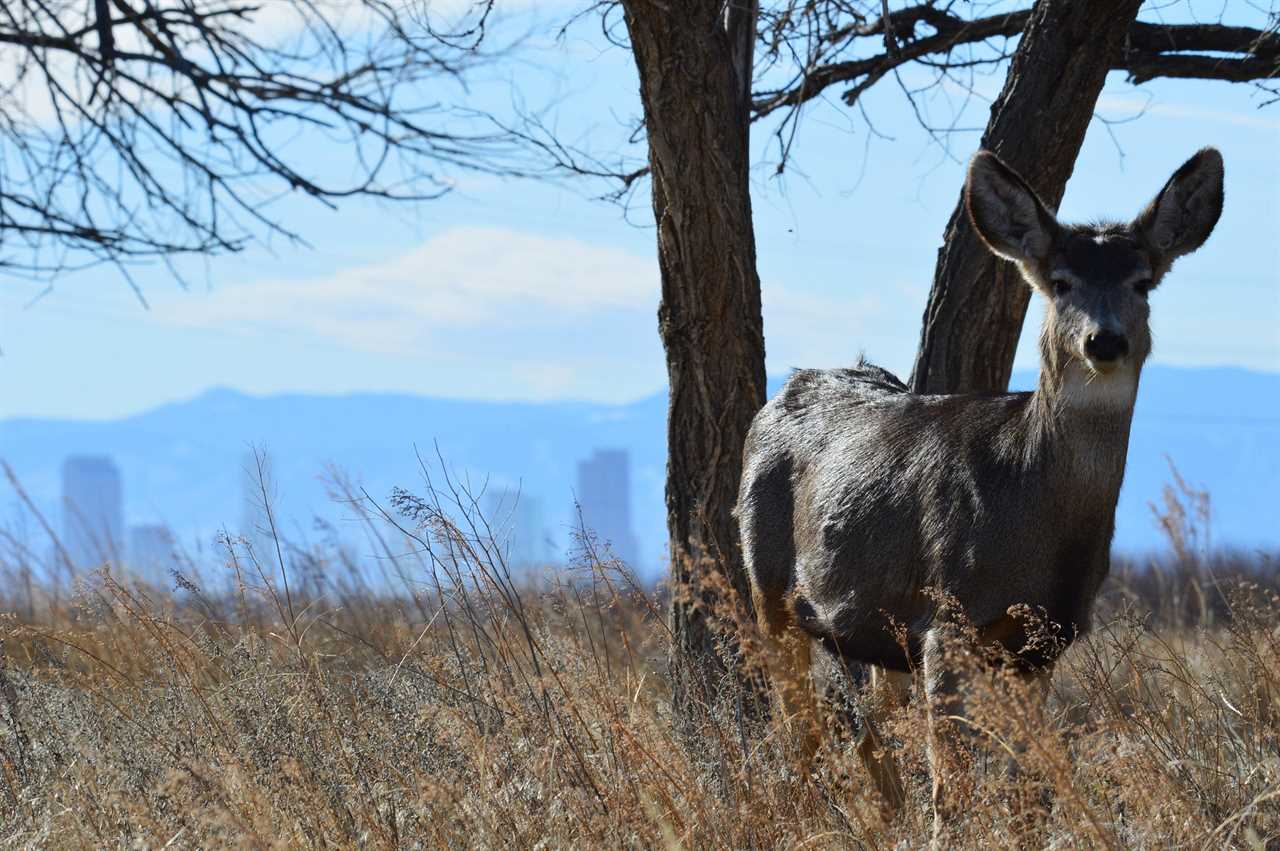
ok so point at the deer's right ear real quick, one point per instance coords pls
(1006, 212)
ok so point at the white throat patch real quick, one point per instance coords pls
(1083, 389)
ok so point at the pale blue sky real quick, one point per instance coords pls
(523, 290)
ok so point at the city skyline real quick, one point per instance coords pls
(184, 465)
(518, 526)
(93, 529)
(152, 552)
(604, 499)
(95, 525)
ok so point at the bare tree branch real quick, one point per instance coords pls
(1151, 51)
(950, 32)
(135, 129)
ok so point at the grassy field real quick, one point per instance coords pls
(304, 708)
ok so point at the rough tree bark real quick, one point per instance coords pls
(977, 304)
(694, 59)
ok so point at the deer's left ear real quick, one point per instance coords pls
(1183, 215)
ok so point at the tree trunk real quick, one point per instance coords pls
(978, 302)
(694, 60)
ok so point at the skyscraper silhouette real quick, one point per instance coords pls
(518, 530)
(604, 493)
(92, 510)
(151, 552)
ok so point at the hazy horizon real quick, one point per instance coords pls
(181, 463)
(1021, 380)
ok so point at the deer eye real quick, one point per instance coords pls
(1061, 286)
(1143, 287)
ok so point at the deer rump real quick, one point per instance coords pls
(860, 500)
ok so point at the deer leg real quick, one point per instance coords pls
(943, 686)
(1029, 651)
(889, 690)
(1037, 682)
(789, 663)
(1032, 796)
(951, 736)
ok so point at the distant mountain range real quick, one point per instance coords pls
(183, 463)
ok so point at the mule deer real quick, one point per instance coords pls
(859, 499)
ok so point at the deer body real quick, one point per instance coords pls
(859, 499)
(996, 500)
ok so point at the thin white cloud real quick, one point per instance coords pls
(558, 315)
(1122, 106)
(466, 277)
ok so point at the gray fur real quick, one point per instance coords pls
(858, 496)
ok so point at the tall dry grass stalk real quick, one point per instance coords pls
(451, 703)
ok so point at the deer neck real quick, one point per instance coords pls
(1079, 422)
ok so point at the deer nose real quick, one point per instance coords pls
(1106, 346)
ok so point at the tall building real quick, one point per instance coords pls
(604, 494)
(519, 531)
(92, 510)
(152, 551)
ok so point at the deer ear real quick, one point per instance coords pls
(1182, 216)
(1006, 212)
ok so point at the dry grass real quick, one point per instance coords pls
(306, 709)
